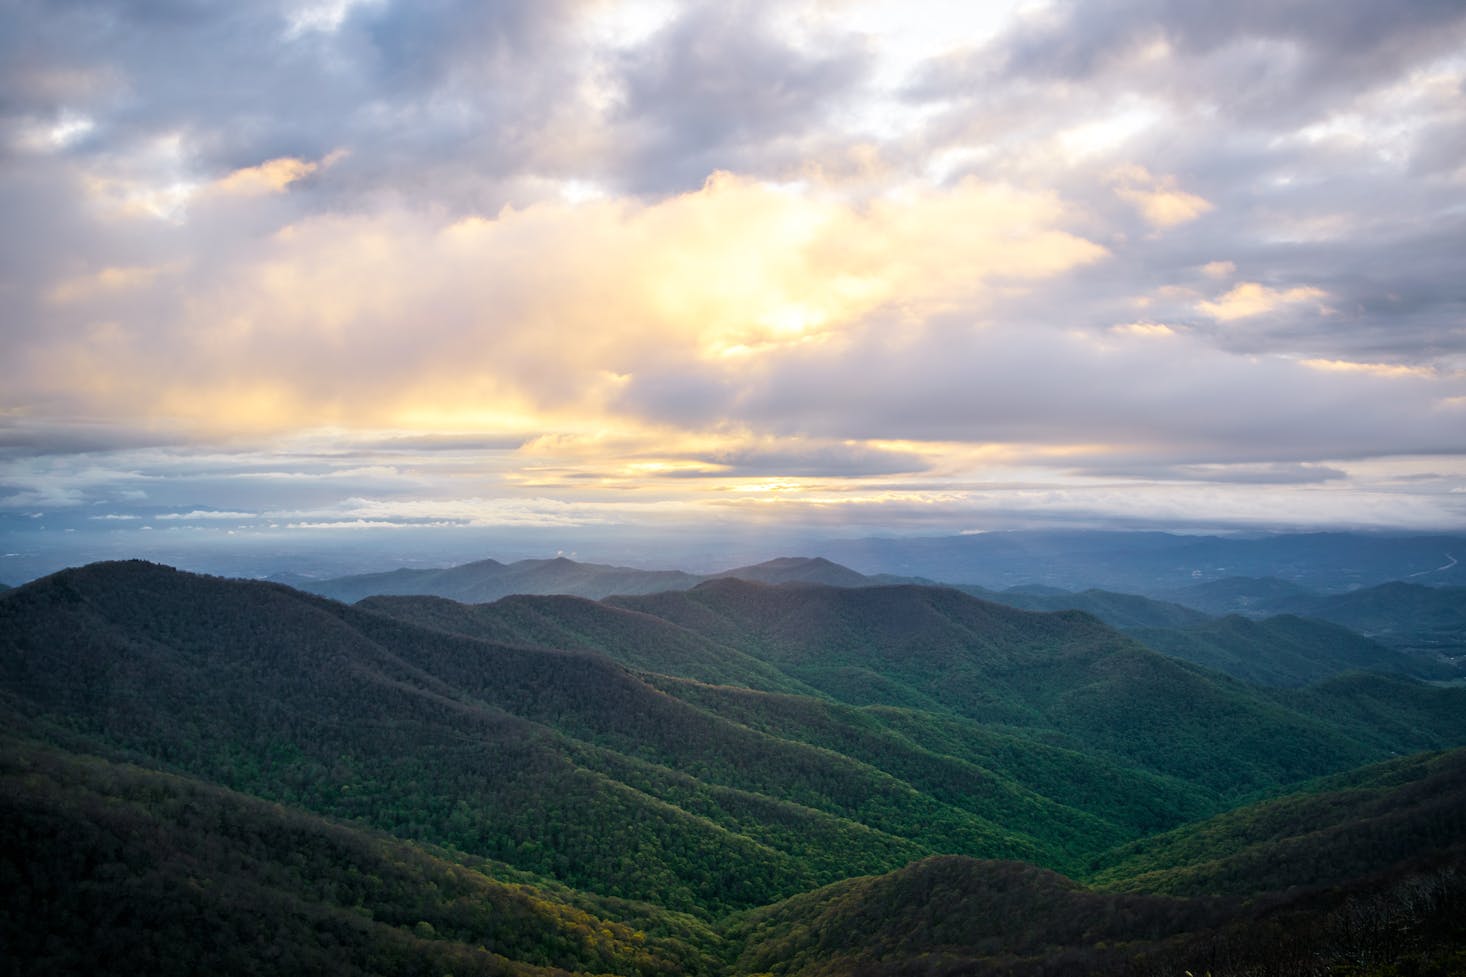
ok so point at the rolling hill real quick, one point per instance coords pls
(1285, 650)
(490, 580)
(291, 774)
(1426, 622)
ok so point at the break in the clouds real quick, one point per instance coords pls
(935, 266)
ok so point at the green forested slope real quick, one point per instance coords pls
(106, 865)
(561, 763)
(639, 640)
(621, 793)
(1284, 650)
(487, 580)
(1115, 609)
(1064, 673)
(1341, 828)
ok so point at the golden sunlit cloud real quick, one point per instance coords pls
(394, 319)
(1158, 199)
(108, 280)
(271, 176)
(1391, 370)
(1144, 330)
(1251, 298)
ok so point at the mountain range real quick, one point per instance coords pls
(731, 778)
(1402, 628)
(1154, 563)
(488, 580)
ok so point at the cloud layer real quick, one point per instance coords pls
(938, 269)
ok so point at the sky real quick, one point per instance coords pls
(289, 275)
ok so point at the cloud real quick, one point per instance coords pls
(1249, 58)
(1150, 330)
(1180, 400)
(486, 322)
(271, 176)
(1253, 299)
(1373, 369)
(885, 259)
(1158, 198)
(1276, 473)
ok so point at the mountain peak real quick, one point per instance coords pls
(800, 569)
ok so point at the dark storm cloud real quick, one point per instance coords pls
(1331, 47)
(1327, 151)
(717, 89)
(431, 87)
(19, 438)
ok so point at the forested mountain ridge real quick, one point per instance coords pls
(108, 865)
(1419, 629)
(938, 650)
(1156, 563)
(1424, 621)
(1043, 738)
(1344, 827)
(489, 580)
(1286, 650)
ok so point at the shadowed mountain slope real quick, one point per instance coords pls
(490, 580)
(106, 865)
(1424, 621)
(1348, 826)
(1284, 650)
(1123, 611)
(940, 650)
(559, 762)
(638, 640)
(1049, 738)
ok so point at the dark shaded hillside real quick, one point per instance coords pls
(1251, 596)
(1385, 709)
(1428, 622)
(489, 580)
(940, 650)
(1284, 650)
(973, 765)
(956, 915)
(1124, 611)
(560, 763)
(1346, 827)
(259, 688)
(798, 569)
(106, 867)
(1008, 778)
(1367, 871)
(953, 916)
(640, 641)
(1048, 738)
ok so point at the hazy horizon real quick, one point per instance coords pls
(356, 281)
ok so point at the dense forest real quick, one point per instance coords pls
(209, 774)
